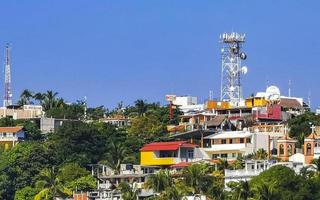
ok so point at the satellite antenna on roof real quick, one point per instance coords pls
(289, 90)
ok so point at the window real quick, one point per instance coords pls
(215, 156)
(234, 155)
(223, 141)
(281, 149)
(190, 153)
(248, 140)
(289, 149)
(308, 149)
(224, 155)
(241, 140)
(230, 141)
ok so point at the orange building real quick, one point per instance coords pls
(286, 147)
(311, 147)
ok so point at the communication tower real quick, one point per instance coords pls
(7, 80)
(232, 70)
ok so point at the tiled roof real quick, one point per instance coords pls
(13, 129)
(216, 121)
(289, 103)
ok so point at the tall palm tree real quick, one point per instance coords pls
(141, 107)
(50, 99)
(50, 186)
(243, 191)
(260, 154)
(159, 181)
(223, 164)
(39, 97)
(266, 192)
(116, 155)
(194, 175)
(25, 97)
(128, 192)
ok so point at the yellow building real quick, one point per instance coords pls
(256, 102)
(10, 136)
(167, 153)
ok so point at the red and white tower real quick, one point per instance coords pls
(7, 80)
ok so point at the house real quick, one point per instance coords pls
(166, 154)
(22, 112)
(233, 144)
(10, 136)
(117, 120)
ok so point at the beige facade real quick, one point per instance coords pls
(22, 112)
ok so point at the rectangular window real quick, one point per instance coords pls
(190, 153)
(248, 140)
(215, 156)
(230, 141)
(223, 141)
(241, 140)
(234, 155)
(224, 155)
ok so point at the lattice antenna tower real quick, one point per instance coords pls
(231, 68)
(7, 80)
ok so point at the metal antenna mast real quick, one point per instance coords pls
(7, 82)
(232, 70)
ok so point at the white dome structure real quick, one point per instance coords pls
(273, 93)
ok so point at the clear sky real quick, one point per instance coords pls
(114, 50)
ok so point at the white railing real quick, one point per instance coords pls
(241, 173)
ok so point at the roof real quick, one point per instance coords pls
(229, 134)
(289, 103)
(13, 129)
(217, 121)
(180, 165)
(160, 146)
(313, 136)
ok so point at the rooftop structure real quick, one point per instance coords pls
(10, 136)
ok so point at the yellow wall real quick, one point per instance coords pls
(6, 145)
(148, 158)
(211, 104)
(258, 102)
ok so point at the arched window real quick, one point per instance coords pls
(289, 149)
(308, 149)
(281, 149)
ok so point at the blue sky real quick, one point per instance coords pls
(113, 50)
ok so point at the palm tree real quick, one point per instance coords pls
(39, 97)
(141, 106)
(50, 100)
(194, 175)
(266, 192)
(159, 181)
(223, 164)
(243, 191)
(128, 192)
(25, 97)
(260, 154)
(117, 154)
(50, 185)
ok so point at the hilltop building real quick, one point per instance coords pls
(10, 136)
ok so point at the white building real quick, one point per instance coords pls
(233, 144)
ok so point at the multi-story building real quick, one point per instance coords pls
(169, 153)
(10, 136)
(22, 112)
(233, 144)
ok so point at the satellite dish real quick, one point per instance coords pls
(232, 88)
(273, 93)
(243, 56)
(244, 70)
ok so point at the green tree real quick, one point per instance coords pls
(50, 185)
(159, 181)
(196, 176)
(26, 193)
(128, 192)
(260, 154)
(25, 97)
(265, 192)
(116, 155)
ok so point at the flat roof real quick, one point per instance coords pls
(230, 134)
